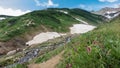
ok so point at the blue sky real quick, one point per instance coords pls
(25, 5)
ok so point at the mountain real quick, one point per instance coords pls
(84, 15)
(16, 31)
(97, 48)
(109, 12)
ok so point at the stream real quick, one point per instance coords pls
(32, 53)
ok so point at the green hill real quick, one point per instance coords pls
(45, 20)
(16, 31)
(84, 15)
(96, 49)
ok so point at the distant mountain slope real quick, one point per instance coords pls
(84, 15)
(109, 12)
(16, 31)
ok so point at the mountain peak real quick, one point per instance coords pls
(109, 12)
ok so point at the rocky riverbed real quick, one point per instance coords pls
(32, 53)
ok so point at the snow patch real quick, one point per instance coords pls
(1, 18)
(110, 17)
(43, 37)
(65, 12)
(81, 20)
(109, 12)
(81, 28)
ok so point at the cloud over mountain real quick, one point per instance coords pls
(12, 12)
(49, 3)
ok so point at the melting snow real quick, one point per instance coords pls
(65, 12)
(109, 12)
(1, 18)
(81, 28)
(81, 20)
(43, 37)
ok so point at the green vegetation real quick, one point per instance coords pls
(84, 15)
(95, 49)
(44, 20)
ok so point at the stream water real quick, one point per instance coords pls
(31, 54)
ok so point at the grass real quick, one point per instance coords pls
(51, 20)
(46, 20)
(84, 15)
(21, 66)
(95, 49)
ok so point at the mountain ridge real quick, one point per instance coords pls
(109, 12)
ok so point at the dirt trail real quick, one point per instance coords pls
(51, 63)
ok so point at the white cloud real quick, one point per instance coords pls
(108, 0)
(49, 3)
(12, 12)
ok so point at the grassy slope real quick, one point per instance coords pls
(96, 49)
(84, 15)
(51, 19)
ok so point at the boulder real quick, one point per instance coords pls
(11, 52)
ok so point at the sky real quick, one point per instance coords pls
(20, 7)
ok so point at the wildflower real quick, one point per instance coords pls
(89, 49)
(69, 65)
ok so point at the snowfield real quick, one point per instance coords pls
(1, 18)
(111, 14)
(43, 37)
(76, 29)
(65, 12)
(81, 28)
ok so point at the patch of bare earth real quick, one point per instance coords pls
(51, 63)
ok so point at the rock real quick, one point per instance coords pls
(11, 52)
